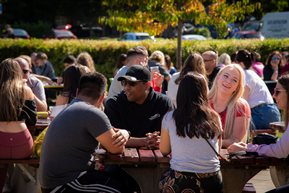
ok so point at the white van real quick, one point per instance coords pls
(275, 25)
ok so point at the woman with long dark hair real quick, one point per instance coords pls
(192, 134)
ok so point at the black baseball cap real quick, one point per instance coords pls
(136, 73)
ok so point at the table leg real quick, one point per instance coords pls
(235, 178)
(146, 177)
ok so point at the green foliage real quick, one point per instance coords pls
(106, 52)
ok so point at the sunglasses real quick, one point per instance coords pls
(130, 83)
(276, 58)
(25, 71)
(277, 91)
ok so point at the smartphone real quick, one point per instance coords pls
(154, 69)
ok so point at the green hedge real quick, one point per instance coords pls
(106, 52)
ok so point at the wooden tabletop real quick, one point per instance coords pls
(146, 167)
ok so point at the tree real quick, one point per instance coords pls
(154, 16)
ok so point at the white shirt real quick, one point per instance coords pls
(259, 92)
(191, 154)
(173, 88)
(116, 86)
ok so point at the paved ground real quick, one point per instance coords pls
(262, 181)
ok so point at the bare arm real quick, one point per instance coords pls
(246, 93)
(239, 131)
(113, 140)
(40, 105)
(165, 143)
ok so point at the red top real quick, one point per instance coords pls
(243, 110)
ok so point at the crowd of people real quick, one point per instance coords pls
(212, 102)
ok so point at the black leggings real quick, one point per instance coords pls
(92, 181)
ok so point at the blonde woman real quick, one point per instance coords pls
(17, 110)
(193, 63)
(225, 98)
(85, 59)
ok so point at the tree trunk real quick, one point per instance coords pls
(179, 45)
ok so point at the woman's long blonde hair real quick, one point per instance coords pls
(235, 102)
(12, 90)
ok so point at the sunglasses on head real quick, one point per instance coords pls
(130, 83)
(277, 91)
(25, 71)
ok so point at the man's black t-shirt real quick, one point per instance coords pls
(139, 119)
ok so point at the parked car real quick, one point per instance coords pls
(61, 34)
(132, 36)
(193, 37)
(20, 33)
(250, 29)
(16, 33)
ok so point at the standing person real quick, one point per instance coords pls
(211, 60)
(138, 108)
(257, 65)
(192, 134)
(256, 93)
(43, 69)
(120, 63)
(272, 70)
(281, 148)
(17, 111)
(225, 97)
(73, 136)
(85, 59)
(224, 60)
(193, 63)
(137, 55)
(157, 59)
(170, 65)
(34, 83)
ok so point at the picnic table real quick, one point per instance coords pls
(146, 167)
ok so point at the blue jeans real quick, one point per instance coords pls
(264, 114)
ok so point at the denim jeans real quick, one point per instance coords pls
(264, 114)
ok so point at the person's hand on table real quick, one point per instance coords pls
(120, 137)
(235, 147)
(153, 140)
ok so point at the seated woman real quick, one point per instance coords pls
(193, 63)
(272, 70)
(225, 98)
(263, 109)
(192, 133)
(281, 148)
(17, 111)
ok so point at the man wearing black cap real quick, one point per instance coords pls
(136, 55)
(138, 108)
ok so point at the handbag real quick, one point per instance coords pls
(264, 138)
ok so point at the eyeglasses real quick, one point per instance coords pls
(130, 83)
(277, 91)
(276, 58)
(208, 60)
(25, 71)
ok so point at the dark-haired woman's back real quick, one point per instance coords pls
(190, 133)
